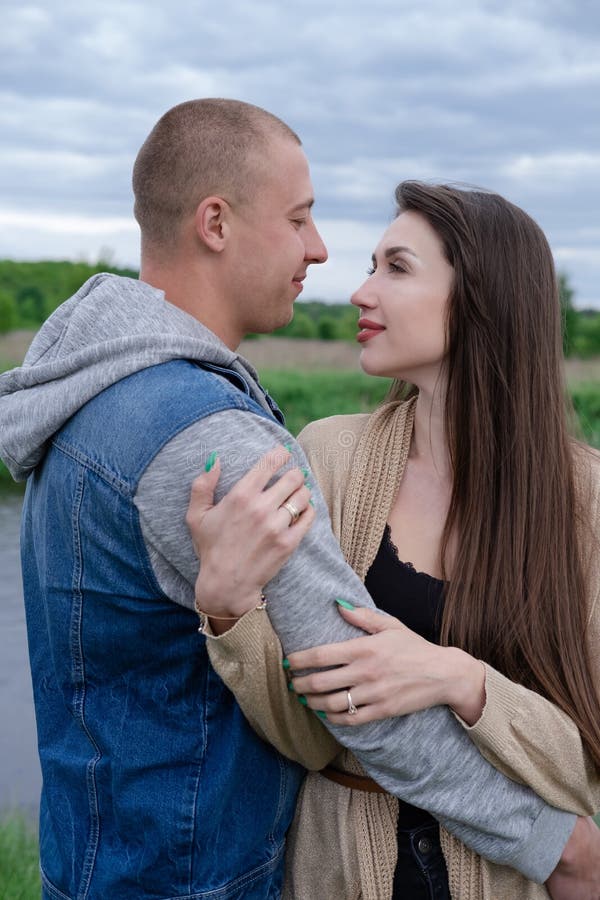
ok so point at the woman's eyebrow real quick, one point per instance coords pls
(391, 251)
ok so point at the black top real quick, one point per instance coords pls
(417, 599)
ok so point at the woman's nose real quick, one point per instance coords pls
(362, 296)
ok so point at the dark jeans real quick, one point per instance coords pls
(421, 870)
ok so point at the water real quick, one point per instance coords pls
(20, 778)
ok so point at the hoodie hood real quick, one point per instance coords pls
(111, 328)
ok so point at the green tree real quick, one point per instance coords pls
(570, 319)
(327, 328)
(348, 323)
(37, 288)
(301, 326)
(8, 312)
(586, 340)
(31, 306)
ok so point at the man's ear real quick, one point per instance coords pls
(211, 222)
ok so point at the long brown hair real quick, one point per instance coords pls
(517, 593)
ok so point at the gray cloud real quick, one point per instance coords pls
(505, 95)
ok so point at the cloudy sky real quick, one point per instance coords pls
(503, 95)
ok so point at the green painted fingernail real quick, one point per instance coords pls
(305, 472)
(289, 448)
(345, 603)
(311, 501)
(321, 714)
(212, 458)
(302, 699)
(285, 663)
(291, 686)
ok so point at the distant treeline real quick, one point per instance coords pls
(30, 291)
(325, 321)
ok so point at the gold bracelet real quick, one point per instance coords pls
(204, 616)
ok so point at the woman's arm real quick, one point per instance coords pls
(392, 671)
(533, 741)
(248, 657)
(410, 756)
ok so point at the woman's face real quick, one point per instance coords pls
(403, 304)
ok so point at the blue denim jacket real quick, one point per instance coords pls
(154, 785)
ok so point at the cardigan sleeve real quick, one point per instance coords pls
(530, 739)
(248, 658)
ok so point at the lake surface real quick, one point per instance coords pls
(20, 778)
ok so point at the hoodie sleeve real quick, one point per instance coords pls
(425, 758)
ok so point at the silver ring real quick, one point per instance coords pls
(294, 513)
(352, 710)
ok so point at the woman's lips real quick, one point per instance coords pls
(368, 330)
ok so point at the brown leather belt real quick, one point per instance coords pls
(356, 782)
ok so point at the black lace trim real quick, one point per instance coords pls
(408, 566)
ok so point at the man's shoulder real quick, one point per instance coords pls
(160, 398)
(125, 427)
(177, 376)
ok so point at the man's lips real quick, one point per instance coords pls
(367, 330)
(297, 282)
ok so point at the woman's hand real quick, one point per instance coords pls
(245, 539)
(391, 672)
(577, 875)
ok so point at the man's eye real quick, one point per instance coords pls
(394, 267)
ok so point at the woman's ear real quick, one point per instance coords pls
(211, 223)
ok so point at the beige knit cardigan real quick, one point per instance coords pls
(342, 845)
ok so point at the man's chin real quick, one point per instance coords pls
(281, 322)
(268, 326)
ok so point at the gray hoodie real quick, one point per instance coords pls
(116, 326)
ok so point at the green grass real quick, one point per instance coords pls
(306, 396)
(7, 483)
(586, 400)
(19, 869)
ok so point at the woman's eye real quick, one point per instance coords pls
(393, 267)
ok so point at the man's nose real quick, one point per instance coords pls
(316, 251)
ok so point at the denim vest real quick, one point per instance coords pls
(154, 785)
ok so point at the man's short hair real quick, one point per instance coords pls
(197, 149)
